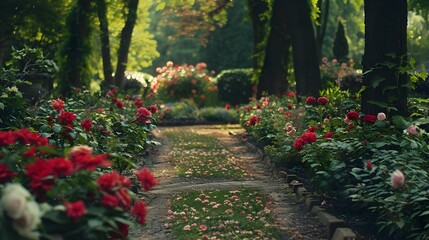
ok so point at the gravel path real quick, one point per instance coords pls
(293, 220)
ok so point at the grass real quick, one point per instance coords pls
(222, 214)
(198, 155)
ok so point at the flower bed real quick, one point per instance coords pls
(379, 162)
(64, 181)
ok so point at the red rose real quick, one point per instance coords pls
(142, 115)
(153, 109)
(138, 102)
(86, 125)
(329, 135)
(31, 138)
(61, 167)
(290, 94)
(124, 198)
(368, 164)
(311, 129)
(114, 100)
(323, 100)
(75, 210)
(369, 119)
(310, 100)
(119, 104)
(253, 120)
(109, 200)
(5, 173)
(109, 181)
(289, 106)
(227, 106)
(146, 179)
(91, 162)
(38, 172)
(140, 211)
(30, 152)
(353, 115)
(309, 137)
(66, 118)
(57, 104)
(7, 138)
(298, 143)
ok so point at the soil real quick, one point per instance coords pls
(292, 218)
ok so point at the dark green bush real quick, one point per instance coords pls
(235, 85)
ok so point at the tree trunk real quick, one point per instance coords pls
(125, 43)
(385, 36)
(273, 78)
(105, 42)
(257, 9)
(76, 49)
(306, 63)
(321, 28)
(2, 50)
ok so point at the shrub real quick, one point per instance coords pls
(218, 114)
(185, 82)
(235, 86)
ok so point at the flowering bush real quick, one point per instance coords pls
(186, 82)
(343, 74)
(47, 194)
(377, 161)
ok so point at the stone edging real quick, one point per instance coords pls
(336, 228)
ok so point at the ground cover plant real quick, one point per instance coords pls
(197, 155)
(222, 214)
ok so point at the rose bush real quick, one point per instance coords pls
(46, 193)
(186, 82)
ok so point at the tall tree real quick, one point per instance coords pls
(125, 43)
(272, 79)
(105, 42)
(259, 13)
(76, 49)
(322, 23)
(341, 46)
(385, 44)
(305, 60)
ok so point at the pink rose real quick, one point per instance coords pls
(381, 116)
(412, 130)
(397, 179)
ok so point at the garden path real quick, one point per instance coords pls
(291, 216)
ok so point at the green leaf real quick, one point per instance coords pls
(94, 223)
(1, 106)
(399, 122)
(57, 128)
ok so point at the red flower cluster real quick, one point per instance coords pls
(329, 135)
(138, 102)
(75, 210)
(82, 158)
(153, 109)
(323, 100)
(57, 104)
(113, 91)
(290, 94)
(5, 173)
(253, 120)
(142, 115)
(113, 187)
(353, 115)
(140, 211)
(66, 118)
(24, 136)
(119, 104)
(371, 119)
(310, 100)
(41, 172)
(146, 179)
(86, 125)
(307, 137)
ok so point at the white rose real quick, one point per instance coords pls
(14, 200)
(27, 224)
